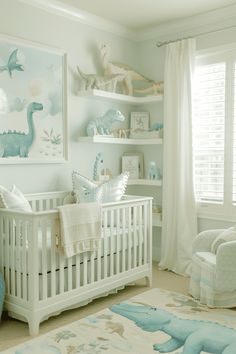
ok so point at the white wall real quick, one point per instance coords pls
(81, 43)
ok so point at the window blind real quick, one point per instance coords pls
(208, 132)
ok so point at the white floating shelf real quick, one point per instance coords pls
(156, 220)
(109, 140)
(144, 182)
(105, 95)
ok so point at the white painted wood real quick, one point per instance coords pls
(123, 141)
(144, 182)
(155, 220)
(40, 281)
(117, 97)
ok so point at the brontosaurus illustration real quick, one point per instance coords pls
(13, 143)
(12, 64)
(194, 336)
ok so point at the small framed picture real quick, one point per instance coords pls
(139, 121)
(131, 165)
(140, 159)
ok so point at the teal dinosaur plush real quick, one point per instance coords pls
(193, 335)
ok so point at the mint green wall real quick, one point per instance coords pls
(81, 43)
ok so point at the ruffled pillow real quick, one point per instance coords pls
(225, 236)
(14, 199)
(87, 190)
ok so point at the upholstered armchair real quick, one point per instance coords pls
(213, 273)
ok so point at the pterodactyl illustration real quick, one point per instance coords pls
(12, 64)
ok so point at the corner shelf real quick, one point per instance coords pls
(106, 95)
(144, 182)
(109, 140)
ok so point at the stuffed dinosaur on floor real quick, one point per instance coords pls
(194, 336)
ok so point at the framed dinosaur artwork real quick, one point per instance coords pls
(33, 115)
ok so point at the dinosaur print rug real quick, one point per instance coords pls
(156, 321)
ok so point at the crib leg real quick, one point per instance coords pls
(33, 327)
(148, 280)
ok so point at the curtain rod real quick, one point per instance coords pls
(160, 44)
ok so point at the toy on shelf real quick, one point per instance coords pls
(129, 74)
(93, 81)
(155, 89)
(102, 125)
(153, 171)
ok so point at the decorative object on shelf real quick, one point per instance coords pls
(33, 113)
(129, 74)
(158, 127)
(121, 133)
(97, 162)
(155, 89)
(139, 121)
(93, 81)
(140, 162)
(105, 175)
(102, 125)
(153, 171)
(157, 210)
(87, 190)
(130, 164)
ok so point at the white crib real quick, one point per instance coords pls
(41, 282)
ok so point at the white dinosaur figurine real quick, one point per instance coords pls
(156, 88)
(129, 75)
(93, 81)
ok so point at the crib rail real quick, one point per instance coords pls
(37, 273)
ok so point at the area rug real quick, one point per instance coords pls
(154, 321)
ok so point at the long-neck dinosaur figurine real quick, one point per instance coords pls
(13, 143)
(127, 74)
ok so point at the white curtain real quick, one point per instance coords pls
(179, 209)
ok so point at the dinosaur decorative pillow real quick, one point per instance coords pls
(87, 190)
(225, 236)
(14, 199)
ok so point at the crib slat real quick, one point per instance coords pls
(111, 251)
(61, 273)
(53, 234)
(135, 236)
(129, 237)
(7, 265)
(123, 239)
(43, 227)
(105, 244)
(118, 243)
(2, 236)
(140, 235)
(77, 275)
(99, 257)
(85, 268)
(25, 260)
(18, 257)
(69, 273)
(145, 234)
(92, 267)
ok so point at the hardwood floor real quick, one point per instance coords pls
(13, 332)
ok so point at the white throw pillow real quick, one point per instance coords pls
(14, 199)
(225, 236)
(87, 190)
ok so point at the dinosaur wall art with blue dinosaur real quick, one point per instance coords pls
(194, 336)
(13, 143)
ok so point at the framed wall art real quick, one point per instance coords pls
(139, 121)
(33, 114)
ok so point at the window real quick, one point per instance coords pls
(214, 133)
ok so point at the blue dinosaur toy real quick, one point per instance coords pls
(193, 335)
(13, 143)
(102, 125)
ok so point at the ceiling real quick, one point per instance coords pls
(144, 14)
